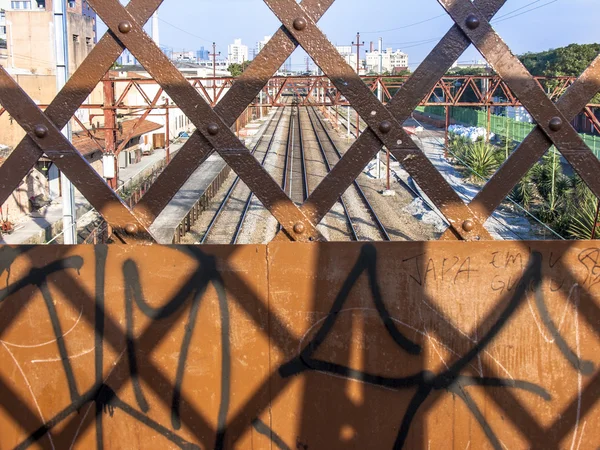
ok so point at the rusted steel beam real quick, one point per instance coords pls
(243, 91)
(79, 86)
(534, 146)
(549, 118)
(61, 152)
(138, 123)
(214, 131)
(89, 133)
(463, 222)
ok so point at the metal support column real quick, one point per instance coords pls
(62, 74)
(110, 128)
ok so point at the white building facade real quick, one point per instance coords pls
(237, 53)
(390, 60)
(261, 44)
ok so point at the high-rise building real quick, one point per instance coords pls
(202, 55)
(261, 44)
(127, 59)
(237, 53)
(3, 27)
(168, 51)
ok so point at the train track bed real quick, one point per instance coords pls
(394, 211)
(353, 213)
(220, 222)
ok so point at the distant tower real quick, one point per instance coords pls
(155, 28)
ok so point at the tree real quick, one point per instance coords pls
(465, 71)
(571, 61)
(237, 69)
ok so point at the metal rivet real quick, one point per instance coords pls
(125, 27)
(131, 228)
(299, 24)
(299, 228)
(555, 123)
(399, 142)
(472, 22)
(373, 113)
(213, 129)
(468, 225)
(385, 126)
(40, 131)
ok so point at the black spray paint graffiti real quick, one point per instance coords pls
(133, 292)
(264, 429)
(104, 397)
(426, 382)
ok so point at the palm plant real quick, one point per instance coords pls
(481, 156)
(524, 192)
(583, 217)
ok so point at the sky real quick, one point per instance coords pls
(413, 26)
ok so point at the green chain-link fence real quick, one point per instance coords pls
(501, 125)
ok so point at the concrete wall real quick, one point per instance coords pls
(42, 89)
(18, 204)
(405, 345)
(30, 40)
(83, 28)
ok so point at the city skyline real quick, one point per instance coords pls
(415, 30)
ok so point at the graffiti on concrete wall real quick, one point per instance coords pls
(292, 346)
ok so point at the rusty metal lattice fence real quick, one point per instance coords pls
(384, 122)
(514, 326)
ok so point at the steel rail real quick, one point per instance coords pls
(288, 145)
(359, 190)
(225, 200)
(400, 181)
(328, 167)
(302, 158)
(240, 224)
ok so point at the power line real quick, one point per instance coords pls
(525, 12)
(184, 31)
(515, 10)
(499, 18)
(406, 26)
(502, 19)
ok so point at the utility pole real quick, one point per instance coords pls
(62, 74)
(307, 60)
(358, 45)
(167, 132)
(110, 129)
(380, 97)
(380, 70)
(214, 55)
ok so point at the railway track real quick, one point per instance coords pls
(307, 154)
(358, 218)
(399, 180)
(226, 225)
(412, 190)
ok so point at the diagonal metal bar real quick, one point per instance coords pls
(244, 90)
(53, 143)
(88, 133)
(535, 145)
(207, 121)
(150, 108)
(548, 117)
(72, 95)
(401, 106)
